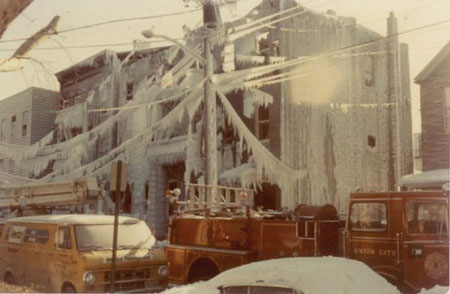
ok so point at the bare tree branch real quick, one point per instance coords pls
(15, 61)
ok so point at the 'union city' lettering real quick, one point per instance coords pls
(365, 251)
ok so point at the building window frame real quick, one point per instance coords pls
(262, 124)
(24, 123)
(13, 125)
(130, 90)
(369, 70)
(3, 130)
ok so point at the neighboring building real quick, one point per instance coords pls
(434, 81)
(25, 118)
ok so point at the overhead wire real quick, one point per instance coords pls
(117, 21)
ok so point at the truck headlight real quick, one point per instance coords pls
(89, 278)
(163, 271)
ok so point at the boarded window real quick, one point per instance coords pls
(368, 216)
(447, 109)
(369, 71)
(371, 141)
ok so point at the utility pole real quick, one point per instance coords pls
(396, 93)
(209, 119)
(118, 185)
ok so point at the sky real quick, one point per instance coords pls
(57, 52)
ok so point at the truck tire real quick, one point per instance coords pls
(9, 279)
(202, 270)
(68, 288)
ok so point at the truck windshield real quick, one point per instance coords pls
(427, 218)
(100, 237)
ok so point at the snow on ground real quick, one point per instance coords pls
(326, 275)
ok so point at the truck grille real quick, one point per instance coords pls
(127, 280)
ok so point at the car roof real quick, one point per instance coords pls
(78, 219)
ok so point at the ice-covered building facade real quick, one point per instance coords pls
(306, 112)
(335, 114)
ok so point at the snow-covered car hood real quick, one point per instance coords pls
(325, 275)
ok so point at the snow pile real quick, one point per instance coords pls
(324, 275)
(436, 290)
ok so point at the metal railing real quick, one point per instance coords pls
(205, 197)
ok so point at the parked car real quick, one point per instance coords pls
(296, 275)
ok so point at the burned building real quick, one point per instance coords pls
(311, 106)
(343, 114)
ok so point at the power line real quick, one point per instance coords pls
(91, 46)
(343, 49)
(119, 20)
(108, 22)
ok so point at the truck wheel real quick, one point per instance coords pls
(9, 279)
(68, 288)
(202, 270)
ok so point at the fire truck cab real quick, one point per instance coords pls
(401, 235)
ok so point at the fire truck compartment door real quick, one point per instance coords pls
(425, 263)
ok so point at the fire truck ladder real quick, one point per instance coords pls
(206, 197)
(80, 191)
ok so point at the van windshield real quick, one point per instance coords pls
(100, 237)
(428, 218)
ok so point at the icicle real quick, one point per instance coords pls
(267, 165)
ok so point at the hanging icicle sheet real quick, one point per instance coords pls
(189, 105)
(268, 167)
(253, 98)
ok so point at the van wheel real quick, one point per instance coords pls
(67, 288)
(9, 279)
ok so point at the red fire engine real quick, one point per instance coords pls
(401, 235)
